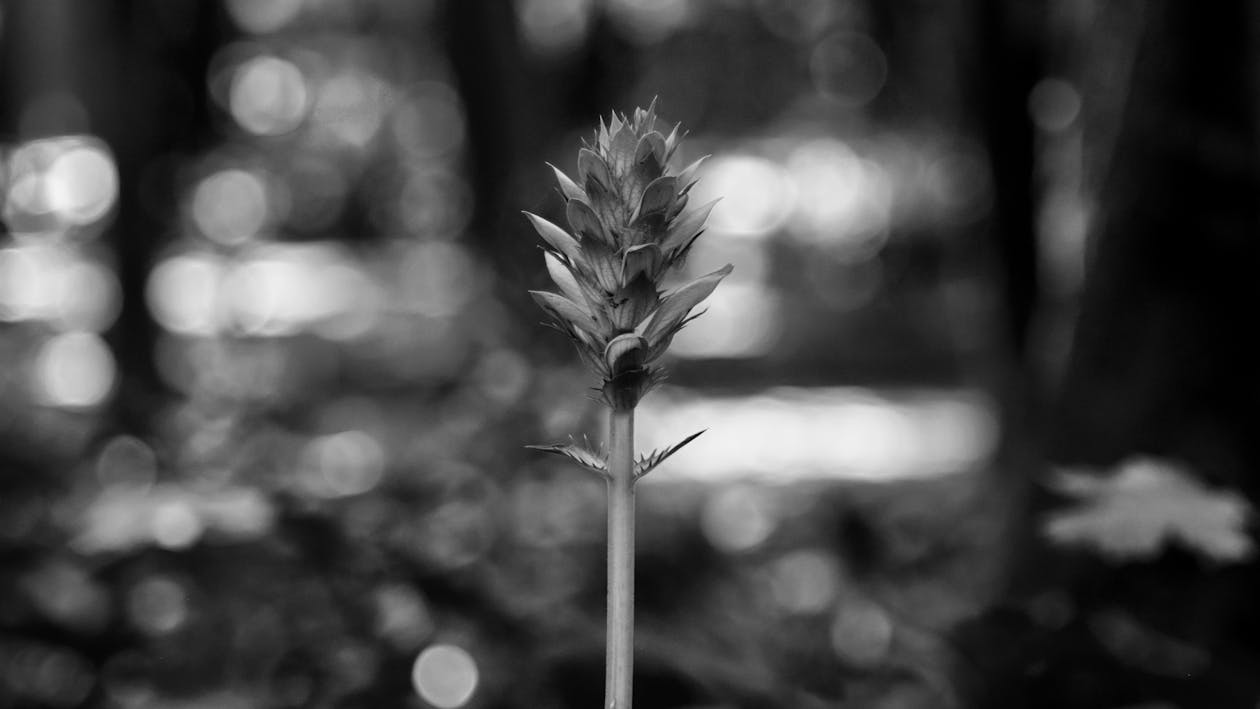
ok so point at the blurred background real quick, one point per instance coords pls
(980, 411)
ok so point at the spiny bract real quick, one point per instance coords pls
(627, 227)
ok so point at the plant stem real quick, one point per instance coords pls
(620, 653)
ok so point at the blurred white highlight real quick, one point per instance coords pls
(66, 181)
(757, 197)
(272, 290)
(792, 434)
(263, 16)
(58, 285)
(741, 320)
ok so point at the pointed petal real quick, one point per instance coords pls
(657, 198)
(585, 223)
(556, 237)
(568, 187)
(564, 279)
(675, 306)
(593, 166)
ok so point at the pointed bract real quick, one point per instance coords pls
(621, 152)
(644, 259)
(687, 226)
(565, 279)
(676, 305)
(592, 166)
(651, 145)
(568, 187)
(602, 266)
(658, 198)
(687, 176)
(556, 237)
(566, 311)
(585, 222)
(671, 142)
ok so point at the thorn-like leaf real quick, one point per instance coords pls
(582, 455)
(646, 463)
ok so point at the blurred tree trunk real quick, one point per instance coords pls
(1160, 366)
(137, 70)
(147, 95)
(520, 108)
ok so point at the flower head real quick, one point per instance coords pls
(628, 226)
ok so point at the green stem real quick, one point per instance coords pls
(620, 658)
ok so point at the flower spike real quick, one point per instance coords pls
(629, 226)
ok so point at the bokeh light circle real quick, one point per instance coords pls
(74, 370)
(268, 96)
(849, 67)
(230, 206)
(445, 676)
(81, 184)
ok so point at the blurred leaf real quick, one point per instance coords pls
(1147, 502)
